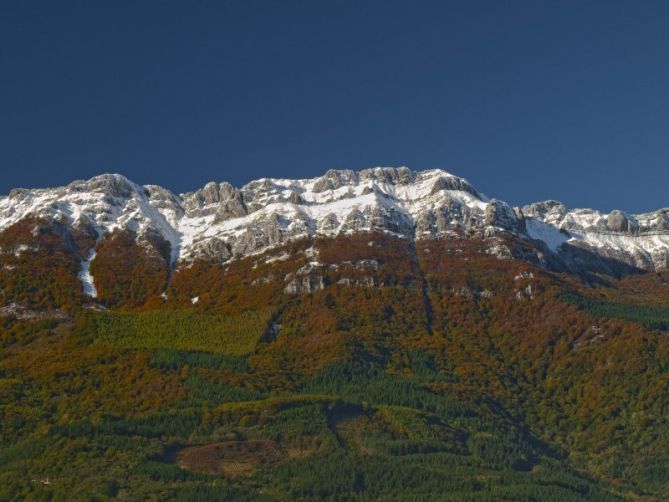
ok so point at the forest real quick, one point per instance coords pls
(454, 376)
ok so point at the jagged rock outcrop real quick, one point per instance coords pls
(305, 280)
(500, 214)
(617, 221)
(220, 221)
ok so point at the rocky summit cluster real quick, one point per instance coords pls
(221, 222)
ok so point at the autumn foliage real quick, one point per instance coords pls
(456, 364)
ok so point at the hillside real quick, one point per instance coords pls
(385, 334)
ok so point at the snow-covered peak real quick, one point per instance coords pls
(220, 221)
(640, 240)
(104, 203)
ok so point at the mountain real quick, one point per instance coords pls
(375, 335)
(221, 222)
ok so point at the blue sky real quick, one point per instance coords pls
(529, 100)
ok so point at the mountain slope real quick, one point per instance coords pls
(411, 340)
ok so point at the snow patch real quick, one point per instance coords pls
(550, 234)
(85, 275)
(282, 257)
(21, 248)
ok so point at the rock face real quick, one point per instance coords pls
(220, 222)
(617, 221)
(500, 214)
(640, 241)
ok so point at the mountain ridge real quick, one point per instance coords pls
(220, 221)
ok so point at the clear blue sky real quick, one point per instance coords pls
(529, 100)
